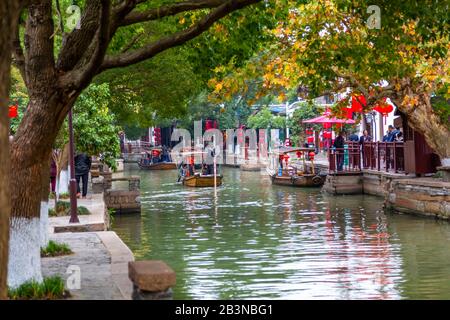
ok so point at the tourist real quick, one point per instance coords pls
(392, 133)
(339, 146)
(365, 137)
(82, 168)
(353, 137)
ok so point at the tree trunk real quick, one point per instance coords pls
(27, 183)
(44, 202)
(423, 119)
(9, 11)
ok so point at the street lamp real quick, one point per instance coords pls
(288, 109)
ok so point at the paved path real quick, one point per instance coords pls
(102, 258)
(96, 221)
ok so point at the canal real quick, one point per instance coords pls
(259, 241)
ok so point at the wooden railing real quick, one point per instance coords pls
(346, 159)
(384, 156)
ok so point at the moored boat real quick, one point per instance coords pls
(198, 180)
(304, 180)
(158, 166)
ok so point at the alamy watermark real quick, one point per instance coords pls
(374, 20)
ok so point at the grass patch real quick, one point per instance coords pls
(52, 212)
(82, 211)
(55, 249)
(51, 288)
(64, 195)
(63, 209)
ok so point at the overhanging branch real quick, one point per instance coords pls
(175, 39)
(168, 10)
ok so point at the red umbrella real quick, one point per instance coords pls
(327, 119)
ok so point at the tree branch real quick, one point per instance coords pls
(175, 39)
(76, 43)
(82, 76)
(39, 47)
(169, 10)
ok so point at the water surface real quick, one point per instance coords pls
(260, 241)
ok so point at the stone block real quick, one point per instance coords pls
(151, 275)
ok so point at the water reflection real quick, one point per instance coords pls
(262, 241)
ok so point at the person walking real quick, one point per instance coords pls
(82, 167)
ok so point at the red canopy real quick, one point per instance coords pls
(327, 119)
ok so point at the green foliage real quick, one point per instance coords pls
(264, 119)
(133, 132)
(54, 249)
(63, 209)
(62, 206)
(111, 213)
(64, 195)
(305, 111)
(18, 94)
(52, 212)
(50, 289)
(95, 128)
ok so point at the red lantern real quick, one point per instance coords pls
(309, 132)
(349, 112)
(384, 109)
(327, 134)
(358, 103)
(310, 139)
(299, 154)
(311, 155)
(327, 125)
(13, 111)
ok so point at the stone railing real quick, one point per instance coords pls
(152, 280)
(124, 201)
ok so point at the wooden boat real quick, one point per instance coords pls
(304, 180)
(158, 166)
(202, 181)
(302, 174)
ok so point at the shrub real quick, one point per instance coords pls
(82, 211)
(54, 249)
(50, 289)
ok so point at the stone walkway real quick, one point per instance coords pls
(102, 258)
(96, 221)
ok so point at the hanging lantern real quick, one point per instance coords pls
(384, 109)
(309, 132)
(13, 111)
(311, 155)
(299, 154)
(310, 139)
(358, 103)
(327, 125)
(327, 134)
